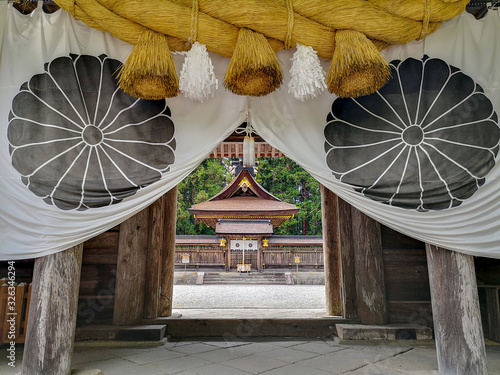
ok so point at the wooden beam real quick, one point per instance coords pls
(168, 253)
(131, 269)
(368, 258)
(331, 250)
(153, 259)
(455, 307)
(50, 336)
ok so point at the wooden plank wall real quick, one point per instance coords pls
(487, 273)
(406, 279)
(98, 278)
(200, 255)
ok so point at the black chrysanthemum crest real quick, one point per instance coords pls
(425, 141)
(80, 142)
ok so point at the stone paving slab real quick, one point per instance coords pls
(265, 356)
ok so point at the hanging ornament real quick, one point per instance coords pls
(197, 79)
(248, 143)
(149, 72)
(308, 76)
(254, 69)
(248, 151)
(357, 67)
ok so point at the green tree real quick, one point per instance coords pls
(204, 182)
(287, 181)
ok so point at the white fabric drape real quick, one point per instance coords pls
(36, 222)
(297, 129)
(29, 227)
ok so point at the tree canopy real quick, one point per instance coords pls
(282, 177)
(287, 181)
(204, 182)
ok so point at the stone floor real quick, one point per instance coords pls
(270, 357)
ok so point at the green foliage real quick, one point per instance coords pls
(282, 177)
(204, 182)
(287, 181)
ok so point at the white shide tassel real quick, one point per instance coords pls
(197, 79)
(308, 76)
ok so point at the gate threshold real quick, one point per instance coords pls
(232, 324)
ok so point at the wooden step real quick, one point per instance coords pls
(152, 332)
(229, 329)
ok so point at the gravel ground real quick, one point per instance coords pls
(249, 296)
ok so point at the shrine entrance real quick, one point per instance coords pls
(244, 255)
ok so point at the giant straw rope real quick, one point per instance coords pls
(370, 25)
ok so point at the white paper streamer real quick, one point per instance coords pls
(307, 76)
(197, 79)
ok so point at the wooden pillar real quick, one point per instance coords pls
(228, 254)
(455, 307)
(331, 253)
(259, 253)
(131, 269)
(54, 302)
(168, 253)
(368, 258)
(347, 264)
(153, 259)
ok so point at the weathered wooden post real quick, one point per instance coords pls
(168, 253)
(347, 264)
(153, 260)
(369, 264)
(54, 301)
(131, 269)
(455, 308)
(331, 251)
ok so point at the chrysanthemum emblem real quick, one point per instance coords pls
(425, 141)
(80, 142)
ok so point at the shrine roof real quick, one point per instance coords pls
(244, 205)
(243, 197)
(247, 227)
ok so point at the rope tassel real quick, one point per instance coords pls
(197, 79)
(357, 66)
(149, 72)
(254, 69)
(308, 76)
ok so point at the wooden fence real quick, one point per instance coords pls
(14, 308)
(310, 257)
(206, 256)
(272, 257)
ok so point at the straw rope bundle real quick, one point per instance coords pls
(356, 68)
(150, 69)
(347, 76)
(254, 68)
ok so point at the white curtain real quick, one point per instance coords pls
(447, 193)
(78, 157)
(142, 151)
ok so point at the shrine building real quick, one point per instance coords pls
(244, 216)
